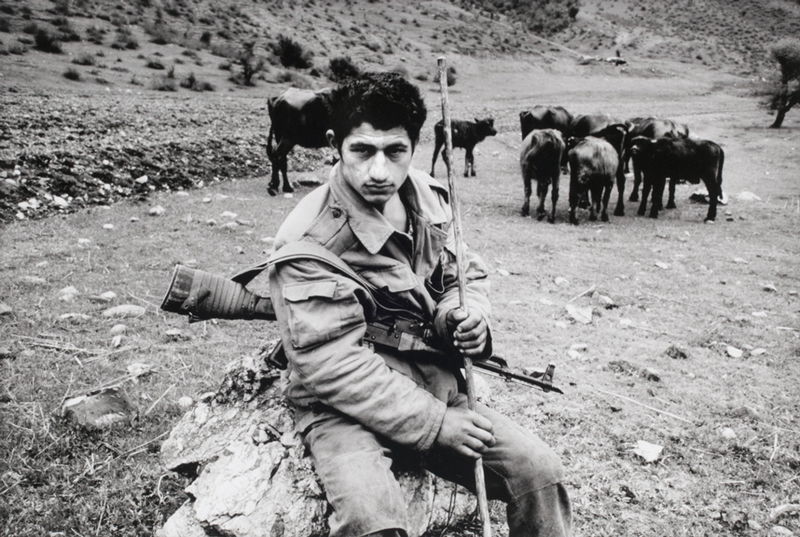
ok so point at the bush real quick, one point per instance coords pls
(154, 64)
(160, 34)
(342, 68)
(124, 40)
(786, 89)
(84, 59)
(46, 42)
(250, 65)
(5, 26)
(72, 74)
(451, 76)
(295, 79)
(191, 82)
(291, 53)
(163, 83)
(205, 38)
(224, 50)
(95, 35)
(30, 28)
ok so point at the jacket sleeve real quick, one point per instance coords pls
(322, 320)
(477, 291)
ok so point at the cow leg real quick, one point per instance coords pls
(541, 192)
(606, 198)
(471, 162)
(637, 180)
(526, 205)
(714, 192)
(574, 196)
(671, 199)
(446, 157)
(594, 202)
(436, 150)
(658, 193)
(647, 184)
(287, 186)
(620, 209)
(554, 198)
(278, 161)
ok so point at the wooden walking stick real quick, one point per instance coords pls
(480, 480)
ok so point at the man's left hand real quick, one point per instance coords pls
(469, 331)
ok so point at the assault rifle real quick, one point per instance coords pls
(202, 296)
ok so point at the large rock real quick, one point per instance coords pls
(251, 475)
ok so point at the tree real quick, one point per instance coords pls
(787, 93)
(249, 63)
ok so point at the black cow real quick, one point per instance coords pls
(585, 124)
(593, 164)
(465, 134)
(653, 128)
(540, 160)
(545, 117)
(616, 135)
(297, 117)
(678, 158)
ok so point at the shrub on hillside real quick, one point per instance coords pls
(17, 48)
(160, 33)
(191, 82)
(5, 25)
(451, 76)
(154, 64)
(164, 83)
(205, 38)
(47, 42)
(294, 78)
(291, 53)
(786, 91)
(72, 74)
(224, 50)
(95, 35)
(249, 65)
(84, 59)
(66, 32)
(30, 28)
(342, 68)
(124, 40)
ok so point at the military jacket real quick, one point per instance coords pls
(322, 314)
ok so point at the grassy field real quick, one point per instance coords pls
(662, 366)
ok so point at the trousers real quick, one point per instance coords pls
(355, 468)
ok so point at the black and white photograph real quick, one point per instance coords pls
(364, 268)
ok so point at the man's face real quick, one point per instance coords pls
(375, 162)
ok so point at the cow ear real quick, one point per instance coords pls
(477, 120)
(331, 139)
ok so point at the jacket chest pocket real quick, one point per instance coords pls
(395, 279)
(320, 312)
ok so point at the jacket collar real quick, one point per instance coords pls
(373, 229)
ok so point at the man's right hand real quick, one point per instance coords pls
(466, 432)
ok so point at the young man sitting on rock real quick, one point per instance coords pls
(360, 405)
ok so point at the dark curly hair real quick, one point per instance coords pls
(384, 100)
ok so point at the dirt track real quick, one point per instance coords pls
(674, 280)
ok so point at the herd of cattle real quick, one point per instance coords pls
(595, 148)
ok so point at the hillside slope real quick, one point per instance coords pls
(730, 36)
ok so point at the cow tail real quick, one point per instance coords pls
(269, 142)
(270, 151)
